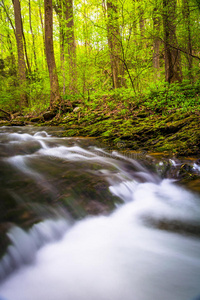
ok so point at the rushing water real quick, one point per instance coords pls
(147, 248)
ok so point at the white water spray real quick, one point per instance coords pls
(120, 256)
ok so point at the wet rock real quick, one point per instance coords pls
(186, 171)
(95, 208)
(193, 185)
(49, 115)
(197, 162)
(35, 119)
(174, 226)
(4, 241)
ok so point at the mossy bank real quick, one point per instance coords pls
(138, 123)
(163, 119)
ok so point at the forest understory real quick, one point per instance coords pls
(154, 122)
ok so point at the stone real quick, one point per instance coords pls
(76, 109)
(49, 115)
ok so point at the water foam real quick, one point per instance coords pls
(120, 256)
(117, 257)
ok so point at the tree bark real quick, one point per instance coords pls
(187, 22)
(43, 34)
(58, 7)
(20, 51)
(141, 19)
(114, 44)
(55, 94)
(26, 53)
(71, 45)
(33, 36)
(12, 60)
(156, 42)
(42, 24)
(173, 71)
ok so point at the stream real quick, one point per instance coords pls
(80, 222)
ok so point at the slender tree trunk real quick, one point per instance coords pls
(186, 16)
(8, 16)
(70, 38)
(58, 7)
(42, 23)
(86, 46)
(114, 44)
(13, 66)
(43, 35)
(62, 57)
(20, 51)
(156, 42)
(64, 10)
(141, 19)
(55, 94)
(33, 36)
(173, 71)
(26, 53)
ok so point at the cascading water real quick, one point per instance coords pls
(147, 248)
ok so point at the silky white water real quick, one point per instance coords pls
(119, 256)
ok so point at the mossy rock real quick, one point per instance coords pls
(17, 123)
(5, 123)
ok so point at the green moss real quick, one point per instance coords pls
(164, 119)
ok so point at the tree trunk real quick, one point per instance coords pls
(58, 7)
(33, 36)
(55, 94)
(156, 42)
(186, 16)
(42, 24)
(141, 19)
(62, 57)
(114, 44)
(173, 71)
(20, 51)
(12, 60)
(70, 38)
(43, 35)
(7, 14)
(26, 53)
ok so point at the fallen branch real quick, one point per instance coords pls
(7, 113)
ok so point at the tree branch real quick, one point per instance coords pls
(7, 113)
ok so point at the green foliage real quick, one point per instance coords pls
(94, 77)
(9, 94)
(165, 97)
(71, 97)
(198, 4)
(38, 91)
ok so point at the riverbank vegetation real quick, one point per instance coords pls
(162, 119)
(126, 72)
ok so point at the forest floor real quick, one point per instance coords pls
(124, 124)
(135, 128)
